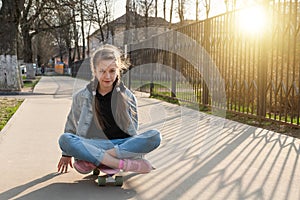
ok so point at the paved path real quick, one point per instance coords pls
(201, 157)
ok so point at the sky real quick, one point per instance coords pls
(218, 7)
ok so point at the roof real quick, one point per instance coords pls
(136, 21)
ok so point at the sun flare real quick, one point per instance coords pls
(253, 20)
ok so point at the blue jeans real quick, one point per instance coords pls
(93, 150)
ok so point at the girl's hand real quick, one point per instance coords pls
(63, 163)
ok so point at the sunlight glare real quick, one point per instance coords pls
(253, 20)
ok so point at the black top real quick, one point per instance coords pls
(111, 130)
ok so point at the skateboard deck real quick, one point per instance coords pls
(108, 176)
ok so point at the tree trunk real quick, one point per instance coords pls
(208, 4)
(171, 14)
(181, 10)
(10, 79)
(127, 25)
(146, 24)
(197, 10)
(27, 52)
(76, 38)
(99, 21)
(155, 8)
(164, 9)
(82, 29)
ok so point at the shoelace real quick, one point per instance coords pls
(135, 165)
(132, 165)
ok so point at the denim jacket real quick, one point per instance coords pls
(81, 113)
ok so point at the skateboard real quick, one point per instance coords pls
(108, 176)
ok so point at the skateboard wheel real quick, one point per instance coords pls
(118, 180)
(101, 180)
(96, 172)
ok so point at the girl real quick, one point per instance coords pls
(101, 128)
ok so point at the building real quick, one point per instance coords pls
(115, 31)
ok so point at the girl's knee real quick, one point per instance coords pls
(155, 138)
(64, 139)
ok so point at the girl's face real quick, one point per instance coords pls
(106, 72)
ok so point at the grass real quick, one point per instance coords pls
(29, 84)
(8, 106)
(272, 125)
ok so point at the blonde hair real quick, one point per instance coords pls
(110, 52)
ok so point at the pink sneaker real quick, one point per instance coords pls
(141, 166)
(83, 167)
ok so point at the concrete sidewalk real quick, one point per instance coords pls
(201, 157)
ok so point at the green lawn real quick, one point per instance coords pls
(8, 106)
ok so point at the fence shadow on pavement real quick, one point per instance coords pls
(201, 157)
(234, 162)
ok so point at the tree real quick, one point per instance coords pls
(146, 7)
(181, 10)
(38, 17)
(63, 33)
(30, 26)
(127, 25)
(171, 13)
(207, 6)
(155, 8)
(101, 14)
(75, 35)
(81, 11)
(44, 48)
(164, 9)
(197, 10)
(9, 19)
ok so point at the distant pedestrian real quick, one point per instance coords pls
(101, 128)
(43, 69)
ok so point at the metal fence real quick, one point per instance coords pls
(260, 68)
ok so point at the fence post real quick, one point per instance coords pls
(174, 64)
(127, 53)
(205, 75)
(262, 77)
(264, 40)
(152, 61)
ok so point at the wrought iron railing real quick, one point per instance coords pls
(260, 68)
